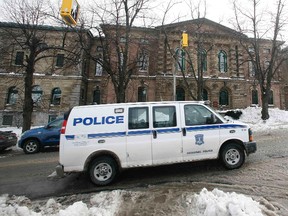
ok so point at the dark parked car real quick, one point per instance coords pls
(32, 141)
(7, 139)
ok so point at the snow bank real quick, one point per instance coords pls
(206, 203)
(216, 202)
(252, 116)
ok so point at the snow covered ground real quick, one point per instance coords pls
(208, 203)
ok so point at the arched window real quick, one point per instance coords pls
(202, 60)
(271, 98)
(36, 94)
(97, 96)
(180, 94)
(56, 96)
(142, 94)
(180, 54)
(205, 95)
(12, 95)
(98, 67)
(143, 61)
(222, 61)
(223, 97)
(255, 97)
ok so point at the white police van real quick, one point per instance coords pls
(103, 139)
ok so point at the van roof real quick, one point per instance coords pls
(142, 103)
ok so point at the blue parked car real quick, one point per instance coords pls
(32, 141)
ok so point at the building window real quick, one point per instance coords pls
(97, 96)
(82, 94)
(121, 58)
(205, 95)
(60, 60)
(12, 95)
(19, 59)
(255, 97)
(122, 39)
(52, 118)
(222, 61)
(223, 98)
(251, 67)
(143, 61)
(180, 94)
(180, 55)
(144, 41)
(142, 94)
(99, 49)
(251, 50)
(271, 98)
(266, 50)
(37, 94)
(7, 120)
(266, 65)
(56, 96)
(202, 60)
(98, 68)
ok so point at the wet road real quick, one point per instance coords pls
(264, 175)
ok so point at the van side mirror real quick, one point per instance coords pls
(211, 120)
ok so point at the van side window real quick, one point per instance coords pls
(198, 115)
(138, 118)
(164, 116)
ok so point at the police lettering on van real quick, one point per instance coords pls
(104, 139)
(99, 120)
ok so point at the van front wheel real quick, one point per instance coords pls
(232, 156)
(103, 171)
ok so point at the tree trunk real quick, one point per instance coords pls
(120, 94)
(264, 111)
(200, 89)
(28, 102)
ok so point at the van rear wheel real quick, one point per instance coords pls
(103, 170)
(232, 156)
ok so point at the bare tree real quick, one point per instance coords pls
(250, 20)
(26, 32)
(202, 41)
(112, 23)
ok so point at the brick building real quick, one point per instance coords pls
(228, 76)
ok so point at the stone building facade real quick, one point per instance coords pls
(228, 78)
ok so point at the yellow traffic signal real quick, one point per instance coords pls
(184, 42)
(70, 11)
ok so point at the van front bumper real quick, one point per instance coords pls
(60, 170)
(250, 147)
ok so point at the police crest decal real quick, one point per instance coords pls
(199, 139)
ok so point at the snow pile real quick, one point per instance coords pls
(210, 203)
(252, 116)
(216, 202)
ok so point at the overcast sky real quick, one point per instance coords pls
(220, 11)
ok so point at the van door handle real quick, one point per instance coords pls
(184, 131)
(154, 134)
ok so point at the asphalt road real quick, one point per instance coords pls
(264, 174)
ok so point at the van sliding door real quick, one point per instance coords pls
(166, 137)
(139, 137)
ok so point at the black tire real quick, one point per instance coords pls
(103, 170)
(31, 146)
(232, 156)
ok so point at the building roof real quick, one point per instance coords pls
(203, 21)
(40, 27)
